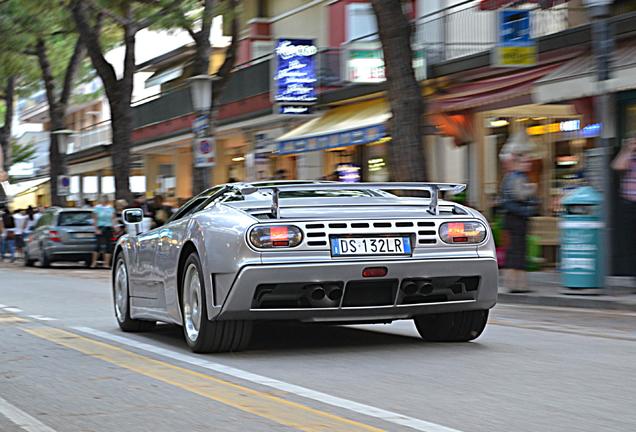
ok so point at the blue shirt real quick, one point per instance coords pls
(104, 215)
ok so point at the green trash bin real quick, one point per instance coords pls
(581, 229)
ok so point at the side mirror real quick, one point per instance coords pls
(133, 216)
(133, 219)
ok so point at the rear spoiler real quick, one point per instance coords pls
(433, 188)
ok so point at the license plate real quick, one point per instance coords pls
(347, 246)
(84, 235)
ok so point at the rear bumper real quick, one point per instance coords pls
(239, 303)
(62, 252)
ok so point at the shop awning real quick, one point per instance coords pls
(358, 123)
(23, 187)
(488, 91)
(577, 79)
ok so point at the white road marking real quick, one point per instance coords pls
(42, 318)
(2, 306)
(22, 419)
(368, 410)
(13, 309)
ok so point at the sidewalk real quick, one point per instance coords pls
(547, 291)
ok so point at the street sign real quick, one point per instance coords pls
(63, 185)
(296, 71)
(200, 125)
(515, 47)
(204, 152)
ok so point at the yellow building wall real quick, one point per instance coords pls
(309, 22)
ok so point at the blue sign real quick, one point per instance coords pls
(514, 27)
(363, 135)
(296, 71)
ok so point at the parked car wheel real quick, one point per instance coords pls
(28, 262)
(452, 327)
(201, 334)
(122, 301)
(45, 261)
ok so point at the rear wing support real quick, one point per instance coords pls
(433, 188)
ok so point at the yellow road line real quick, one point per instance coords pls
(252, 401)
(11, 319)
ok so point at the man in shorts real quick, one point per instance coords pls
(104, 219)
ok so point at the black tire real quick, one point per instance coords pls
(28, 262)
(122, 311)
(212, 336)
(452, 327)
(45, 261)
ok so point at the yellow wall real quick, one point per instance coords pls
(310, 22)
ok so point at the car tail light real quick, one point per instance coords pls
(375, 272)
(54, 236)
(462, 232)
(276, 236)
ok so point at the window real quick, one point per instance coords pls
(75, 218)
(45, 220)
(196, 203)
(361, 22)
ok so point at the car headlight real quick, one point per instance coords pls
(462, 232)
(276, 236)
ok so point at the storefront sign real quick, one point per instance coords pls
(63, 185)
(564, 126)
(295, 109)
(514, 47)
(204, 152)
(295, 71)
(364, 63)
(338, 139)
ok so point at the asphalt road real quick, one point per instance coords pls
(64, 366)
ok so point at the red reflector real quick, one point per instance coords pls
(460, 239)
(374, 272)
(279, 243)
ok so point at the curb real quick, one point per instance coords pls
(566, 301)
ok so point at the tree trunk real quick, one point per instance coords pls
(122, 128)
(57, 167)
(406, 153)
(5, 131)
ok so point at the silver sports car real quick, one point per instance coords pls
(312, 252)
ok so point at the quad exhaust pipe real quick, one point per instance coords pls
(327, 295)
(417, 287)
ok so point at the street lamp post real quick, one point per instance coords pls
(63, 138)
(202, 145)
(603, 46)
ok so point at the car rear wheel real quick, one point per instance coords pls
(201, 334)
(452, 327)
(122, 301)
(45, 261)
(28, 262)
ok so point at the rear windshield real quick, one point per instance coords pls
(78, 218)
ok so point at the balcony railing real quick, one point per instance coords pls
(446, 34)
(91, 136)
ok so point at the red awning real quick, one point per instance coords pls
(487, 91)
(498, 4)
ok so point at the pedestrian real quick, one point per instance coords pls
(518, 200)
(20, 219)
(7, 228)
(120, 228)
(161, 212)
(104, 219)
(625, 163)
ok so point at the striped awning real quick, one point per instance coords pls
(359, 123)
(577, 78)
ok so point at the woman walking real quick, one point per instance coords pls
(519, 203)
(104, 219)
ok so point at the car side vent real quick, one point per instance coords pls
(337, 225)
(314, 226)
(382, 224)
(317, 243)
(403, 224)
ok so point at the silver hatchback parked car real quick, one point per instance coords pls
(312, 252)
(61, 234)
